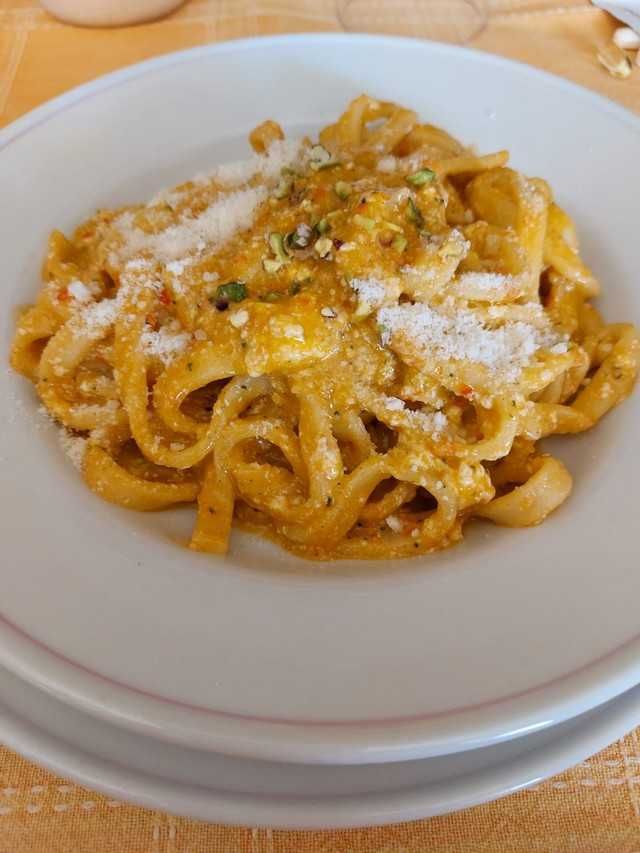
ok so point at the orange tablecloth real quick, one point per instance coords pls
(594, 808)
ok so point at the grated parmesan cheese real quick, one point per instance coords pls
(433, 423)
(282, 153)
(75, 447)
(394, 404)
(489, 281)
(387, 164)
(463, 337)
(98, 316)
(371, 294)
(176, 268)
(164, 344)
(294, 331)
(239, 318)
(394, 523)
(79, 292)
(223, 218)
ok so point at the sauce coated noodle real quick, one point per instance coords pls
(351, 347)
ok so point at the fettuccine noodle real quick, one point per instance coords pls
(350, 347)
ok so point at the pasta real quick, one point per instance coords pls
(351, 347)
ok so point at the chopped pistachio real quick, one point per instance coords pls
(364, 221)
(320, 158)
(418, 179)
(284, 187)
(414, 214)
(232, 291)
(399, 242)
(299, 238)
(272, 265)
(323, 226)
(272, 296)
(323, 246)
(276, 241)
(342, 190)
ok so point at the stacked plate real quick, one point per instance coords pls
(258, 688)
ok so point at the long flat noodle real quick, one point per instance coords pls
(114, 484)
(318, 446)
(215, 511)
(379, 510)
(532, 502)
(351, 347)
(36, 328)
(469, 164)
(614, 379)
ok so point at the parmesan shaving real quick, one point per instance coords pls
(79, 292)
(75, 447)
(223, 218)
(462, 336)
(282, 153)
(164, 344)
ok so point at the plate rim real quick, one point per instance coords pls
(74, 761)
(595, 683)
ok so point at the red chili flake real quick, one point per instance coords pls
(465, 390)
(152, 320)
(338, 243)
(63, 295)
(165, 296)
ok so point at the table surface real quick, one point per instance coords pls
(593, 808)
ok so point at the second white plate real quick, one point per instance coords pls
(255, 793)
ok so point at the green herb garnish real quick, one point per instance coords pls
(272, 296)
(322, 226)
(418, 179)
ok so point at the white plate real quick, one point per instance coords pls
(242, 791)
(260, 654)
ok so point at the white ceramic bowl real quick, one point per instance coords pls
(258, 653)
